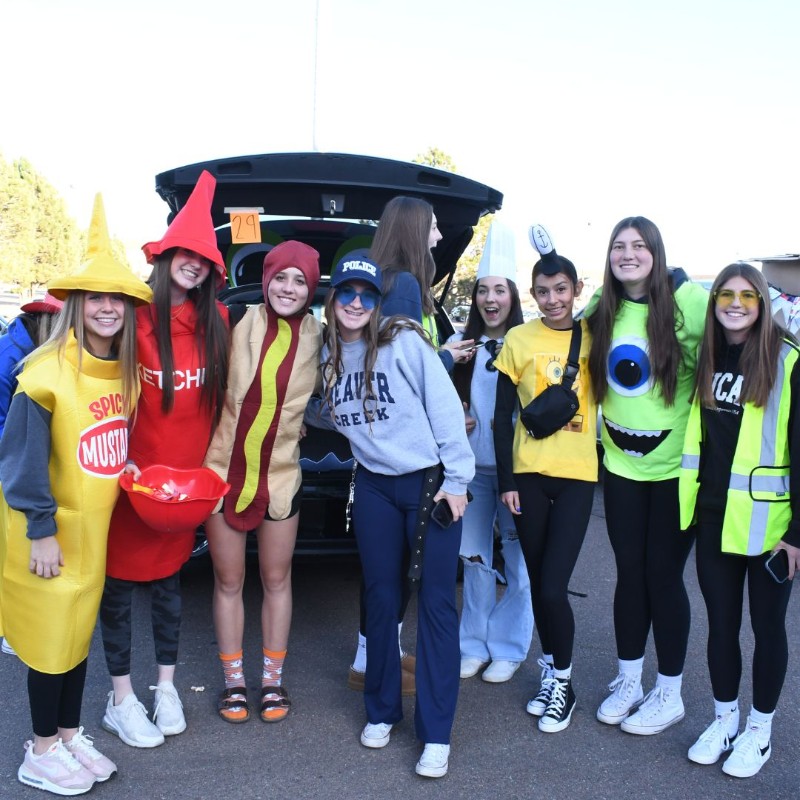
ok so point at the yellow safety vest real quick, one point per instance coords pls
(757, 511)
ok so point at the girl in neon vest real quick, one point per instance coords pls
(646, 322)
(740, 492)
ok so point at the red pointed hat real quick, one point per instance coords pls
(193, 228)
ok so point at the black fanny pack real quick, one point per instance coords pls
(553, 408)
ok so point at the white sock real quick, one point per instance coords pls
(563, 674)
(670, 683)
(633, 669)
(360, 661)
(548, 659)
(764, 723)
(731, 711)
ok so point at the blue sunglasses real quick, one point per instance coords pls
(346, 293)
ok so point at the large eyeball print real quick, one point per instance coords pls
(629, 371)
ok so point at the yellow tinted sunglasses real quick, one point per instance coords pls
(748, 298)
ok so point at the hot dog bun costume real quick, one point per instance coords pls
(77, 418)
(179, 437)
(274, 368)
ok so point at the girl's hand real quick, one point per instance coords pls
(46, 557)
(461, 351)
(132, 469)
(794, 557)
(457, 503)
(469, 421)
(511, 502)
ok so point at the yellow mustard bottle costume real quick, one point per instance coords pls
(89, 445)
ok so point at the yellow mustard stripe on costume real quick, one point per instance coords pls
(266, 413)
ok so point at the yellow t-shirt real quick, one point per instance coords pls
(534, 357)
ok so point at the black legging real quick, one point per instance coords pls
(650, 550)
(551, 530)
(115, 621)
(56, 700)
(722, 576)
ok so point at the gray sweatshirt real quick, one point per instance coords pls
(415, 421)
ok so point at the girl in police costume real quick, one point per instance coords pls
(740, 488)
(646, 321)
(182, 354)
(385, 387)
(63, 449)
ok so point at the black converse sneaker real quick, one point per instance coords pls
(538, 704)
(559, 710)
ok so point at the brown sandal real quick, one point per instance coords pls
(233, 701)
(274, 710)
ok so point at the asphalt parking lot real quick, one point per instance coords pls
(496, 750)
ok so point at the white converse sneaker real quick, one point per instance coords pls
(376, 735)
(500, 671)
(626, 694)
(471, 666)
(82, 749)
(538, 704)
(55, 771)
(433, 761)
(168, 709)
(748, 755)
(661, 708)
(129, 721)
(713, 742)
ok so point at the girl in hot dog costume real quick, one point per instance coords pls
(182, 334)
(63, 449)
(274, 368)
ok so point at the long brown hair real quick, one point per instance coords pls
(664, 318)
(211, 334)
(123, 344)
(379, 331)
(401, 245)
(759, 359)
(473, 329)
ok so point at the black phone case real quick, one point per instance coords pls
(778, 566)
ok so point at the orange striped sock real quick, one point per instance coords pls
(271, 676)
(233, 670)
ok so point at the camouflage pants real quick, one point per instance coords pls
(115, 621)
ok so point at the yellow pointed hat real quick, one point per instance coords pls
(101, 272)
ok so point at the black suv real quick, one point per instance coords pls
(330, 201)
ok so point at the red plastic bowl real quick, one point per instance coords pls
(203, 486)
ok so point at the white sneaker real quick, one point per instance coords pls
(129, 721)
(7, 648)
(471, 666)
(661, 708)
(55, 771)
(168, 709)
(376, 735)
(748, 754)
(626, 694)
(433, 761)
(713, 742)
(82, 749)
(538, 704)
(500, 671)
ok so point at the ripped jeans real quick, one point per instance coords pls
(493, 629)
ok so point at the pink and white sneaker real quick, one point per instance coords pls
(82, 749)
(55, 770)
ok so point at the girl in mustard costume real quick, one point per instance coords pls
(273, 371)
(64, 447)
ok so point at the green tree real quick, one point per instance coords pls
(38, 238)
(460, 292)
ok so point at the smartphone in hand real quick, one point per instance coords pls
(778, 566)
(442, 514)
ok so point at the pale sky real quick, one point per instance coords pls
(580, 112)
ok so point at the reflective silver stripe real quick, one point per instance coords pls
(774, 484)
(690, 462)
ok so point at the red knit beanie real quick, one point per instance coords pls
(193, 229)
(292, 254)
